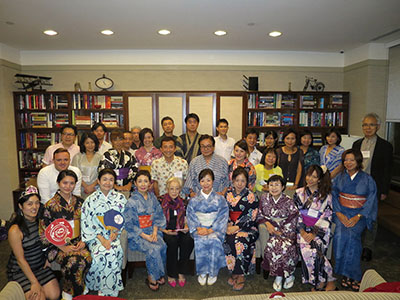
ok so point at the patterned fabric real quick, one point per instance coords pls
(210, 256)
(311, 157)
(155, 252)
(248, 166)
(333, 159)
(87, 168)
(177, 205)
(74, 265)
(316, 267)
(347, 263)
(280, 255)
(145, 158)
(161, 171)
(240, 251)
(117, 161)
(190, 149)
(262, 175)
(217, 164)
(35, 258)
(105, 272)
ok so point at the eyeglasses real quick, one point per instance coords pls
(68, 134)
(368, 125)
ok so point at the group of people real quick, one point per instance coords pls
(214, 195)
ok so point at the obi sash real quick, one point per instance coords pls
(234, 215)
(308, 220)
(122, 173)
(206, 219)
(352, 201)
(145, 221)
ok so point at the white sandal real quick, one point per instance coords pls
(289, 282)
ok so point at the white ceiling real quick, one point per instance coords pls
(307, 25)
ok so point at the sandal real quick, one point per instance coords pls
(232, 280)
(238, 285)
(161, 281)
(346, 282)
(355, 286)
(152, 285)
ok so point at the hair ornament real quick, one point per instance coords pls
(29, 191)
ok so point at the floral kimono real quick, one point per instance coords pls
(248, 166)
(240, 251)
(105, 272)
(145, 158)
(208, 211)
(280, 255)
(315, 217)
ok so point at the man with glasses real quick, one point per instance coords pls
(207, 160)
(377, 161)
(68, 135)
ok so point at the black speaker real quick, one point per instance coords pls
(253, 83)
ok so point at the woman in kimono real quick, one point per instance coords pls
(121, 161)
(355, 208)
(104, 244)
(240, 153)
(87, 161)
(144, 221)
(331, 153)
(314, 202)
(279, 214)
(73, 257)
(242, 233)
(207, 217)
(148, 152)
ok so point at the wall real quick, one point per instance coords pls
(393, 107)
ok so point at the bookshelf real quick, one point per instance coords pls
(39, 115)
(316, 111)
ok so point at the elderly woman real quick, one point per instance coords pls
(354, 210)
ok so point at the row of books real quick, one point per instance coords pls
(29, 159)
(321, 119)
(110, 120)
(311, 101)
(272, 101)
(42, 120)
(86, 101)
(42, 101)
(38, 140)
(263, 119)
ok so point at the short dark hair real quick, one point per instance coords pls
(238, 171)
(207, 137)
(73, 127)
(107, 171)
(97, 125)
(167, 118)
(274, 136)
(83, 139)
(192, 116)
(250, 131)
(335, 131)
(116, 134)
(143, 132)
(65, 173)
(222, 121)
(140, 173)
(168, 139)
(289, 131)
(60, 150)
(266, 152)
(203, 173)
(242, 145)
(357, 156)
(279, 178)
(304, 133)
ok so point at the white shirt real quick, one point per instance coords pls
(47, 182)
(223, 147)
(255, 157)
(104, 147)
(48, 155)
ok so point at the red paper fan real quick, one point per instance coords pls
(59, 232)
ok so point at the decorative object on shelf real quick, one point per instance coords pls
(314, 85)
(290, 86)
(90, 87)
(250, 83)
(104, 83)
(32, 82)
(77, 87)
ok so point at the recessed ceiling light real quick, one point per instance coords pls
(164, 32)
(275, 33)
(220, 32)
(50, 32)
(107, 32)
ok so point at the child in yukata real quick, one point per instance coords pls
(207, 217)
(144, 221)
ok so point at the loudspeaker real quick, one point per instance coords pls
(253, 83)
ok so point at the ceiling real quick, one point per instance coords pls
(307, 25)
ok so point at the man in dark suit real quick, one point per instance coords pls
(377, 161)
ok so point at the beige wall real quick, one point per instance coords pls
(8, 158)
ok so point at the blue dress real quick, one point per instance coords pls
(333, 159)
(140, 216)
(352, 197)
(105, 272)
(209, 213)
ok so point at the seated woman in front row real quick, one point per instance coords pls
(144, 217)
(207, 217)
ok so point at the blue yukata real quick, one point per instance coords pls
(105, 272)
(141, 216)
(333, 159)
(209, 211)
(352, 197)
